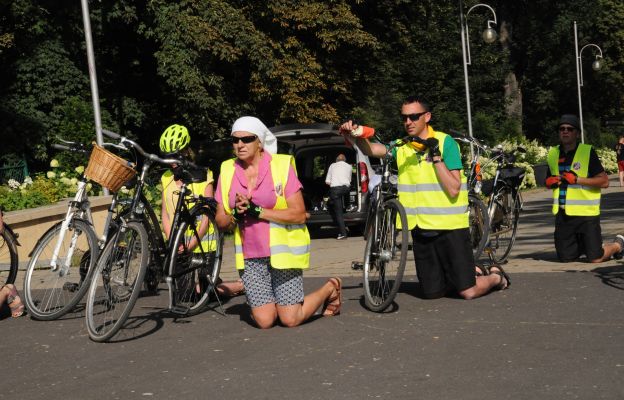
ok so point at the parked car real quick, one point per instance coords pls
(315, 147)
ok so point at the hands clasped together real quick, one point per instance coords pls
(245, 207)
(554, 181)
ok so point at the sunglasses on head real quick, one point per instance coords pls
(413, 117)
(244, 139)
(567, 129)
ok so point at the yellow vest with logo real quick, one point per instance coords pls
(426, 203)
(171, 193)
(580, 200)
(289, 243)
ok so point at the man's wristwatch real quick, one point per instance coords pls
(436, 161)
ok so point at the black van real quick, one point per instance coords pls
(315, 147)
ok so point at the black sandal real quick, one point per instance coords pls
(503, 275)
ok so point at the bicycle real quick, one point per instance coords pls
(387, 239)
(504, 203)
(137, 254)
(64, 257)
(9, 261)
(479, 220)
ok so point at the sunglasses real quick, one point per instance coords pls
(413, 117)
(244, 139)
(567, 129)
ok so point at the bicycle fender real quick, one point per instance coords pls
(12, 232)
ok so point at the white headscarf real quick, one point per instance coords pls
(255, 126)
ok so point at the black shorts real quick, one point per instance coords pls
(577, 235)
(444, 261)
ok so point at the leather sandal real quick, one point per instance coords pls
(334, 303)
(14, 301)
(505, 282)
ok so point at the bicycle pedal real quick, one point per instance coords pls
(70, 286)
(180, 310)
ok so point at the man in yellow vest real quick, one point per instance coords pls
(576, 177)
(432, 187)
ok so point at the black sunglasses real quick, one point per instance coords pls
(567, 129)
(244, 139)
(413, 117)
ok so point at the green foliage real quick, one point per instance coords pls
(205, 63)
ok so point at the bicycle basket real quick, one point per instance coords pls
(108, 169)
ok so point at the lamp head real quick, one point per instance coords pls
(597, 64)
(489, 35)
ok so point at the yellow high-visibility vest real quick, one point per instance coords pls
(426, 203)
(580, 200)
(289, 243)
(170, 189)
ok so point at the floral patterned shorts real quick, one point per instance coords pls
(266, 285)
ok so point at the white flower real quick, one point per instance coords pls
(54, 163)
(63, 174)
(80, 169)
(65, 181)
(28, 180)
(124, 190)
(74, 181)
(51, 174)
(89, 186)
(13, 184)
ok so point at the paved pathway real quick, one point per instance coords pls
(558, 332)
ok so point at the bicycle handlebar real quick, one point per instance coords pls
(152, 157)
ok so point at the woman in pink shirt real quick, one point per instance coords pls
(248, 196)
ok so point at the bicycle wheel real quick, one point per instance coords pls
(117, 281)
(385, 256)
(504, 223)
(479, 225)
(52, 289)
(194, 269)
(8, 257)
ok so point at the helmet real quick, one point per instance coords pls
(174, 139)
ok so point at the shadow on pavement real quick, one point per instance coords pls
(611, 276)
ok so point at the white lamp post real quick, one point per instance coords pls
(489, 36)
(596, 65)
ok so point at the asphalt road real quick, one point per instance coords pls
(556, 333)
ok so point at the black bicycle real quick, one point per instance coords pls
(479, 220)
(387, 240)
(138, 256)
(9, 261)
(504, 202)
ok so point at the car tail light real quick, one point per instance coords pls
(363, 176)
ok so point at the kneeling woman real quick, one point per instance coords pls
(260, 199)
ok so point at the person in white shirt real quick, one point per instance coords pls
(339, 181)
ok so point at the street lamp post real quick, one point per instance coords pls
(489, 36)
(596, 65)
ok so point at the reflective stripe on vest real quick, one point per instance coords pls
(208, 240)
(426, 203)
(580, 200)
(289, 243)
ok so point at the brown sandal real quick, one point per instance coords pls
(334, 303)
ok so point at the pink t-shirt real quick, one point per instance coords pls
(254, 232)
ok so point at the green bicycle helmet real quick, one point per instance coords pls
(174, 138)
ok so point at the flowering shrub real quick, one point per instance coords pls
(537, 154)
(59, 183)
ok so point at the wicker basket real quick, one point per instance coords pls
(108, 169)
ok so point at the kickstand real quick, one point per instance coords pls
(213, 287)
